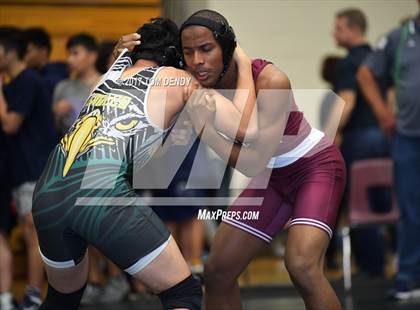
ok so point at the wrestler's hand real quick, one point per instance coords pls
(181, 136)
(202, 109)
(128, 41)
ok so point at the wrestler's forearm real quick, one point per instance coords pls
(250, 159)
(246, 105)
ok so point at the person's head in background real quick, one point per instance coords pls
(82, 54)
(12, 49)
(350, 28)
(208, 44)
(160, 43)
(418, 1)
(105, 58)
(38, 47)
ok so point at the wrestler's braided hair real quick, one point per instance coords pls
(159, 42)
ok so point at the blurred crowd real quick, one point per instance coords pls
(40, 99)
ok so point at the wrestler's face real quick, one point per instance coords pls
(202, 54)
(342, 32)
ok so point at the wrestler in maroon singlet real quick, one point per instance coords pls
(307, 191)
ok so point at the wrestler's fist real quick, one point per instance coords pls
(202, 109)
(128, 41)
(181, 136)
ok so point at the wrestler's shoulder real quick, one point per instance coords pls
(272, 77)
(172, 71)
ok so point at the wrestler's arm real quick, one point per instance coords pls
(128, 41)
(228, 120)
(239, 120)
(245, 99)
(254, 158)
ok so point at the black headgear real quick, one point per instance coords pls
(223, 33)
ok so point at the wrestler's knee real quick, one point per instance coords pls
(217, 272)
(303, 267)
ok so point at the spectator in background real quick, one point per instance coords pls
(397, 56)
(105, 58)
(38, 58)
(328, 71)
(6, 271)
(361, 135)
(26, 118)
(70, 94)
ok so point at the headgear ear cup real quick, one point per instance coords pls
(227, 40)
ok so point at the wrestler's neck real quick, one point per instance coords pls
(138, 66)
(230, 78)
(145, 63)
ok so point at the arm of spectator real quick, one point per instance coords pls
(370, 90)
(10, 121)
(62, 107)
(340, 112)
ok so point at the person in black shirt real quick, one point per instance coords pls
(361, 135)
(37, 57)
(6, 300)
(26, 118)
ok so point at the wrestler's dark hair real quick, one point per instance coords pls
(11, 38)
(83, 39)
(222, 32)
(159, 42)
(39, 37)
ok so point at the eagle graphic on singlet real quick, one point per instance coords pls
(114, 120)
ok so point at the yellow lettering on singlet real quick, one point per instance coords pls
(111, 100)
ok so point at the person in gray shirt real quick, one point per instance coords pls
(397, 56)
(70, 94)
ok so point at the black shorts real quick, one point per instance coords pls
(130, 235)
(124, 234)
